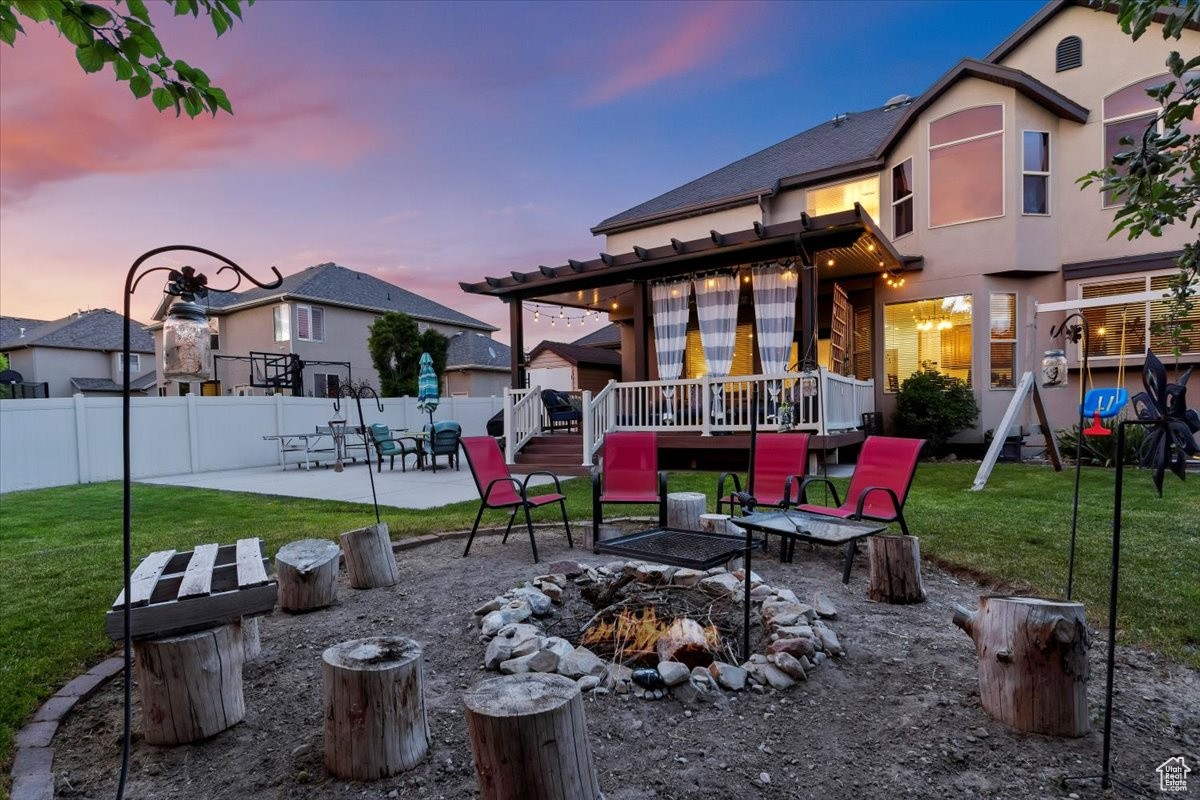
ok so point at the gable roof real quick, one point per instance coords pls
(100, 329)
(139, 384)
(837, 144)
(578, 354)
(608, 337)
(470, 350)
(10, 328)
(332, 284)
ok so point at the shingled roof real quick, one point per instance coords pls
(578, 354)
(100, 329)
(469, 350)
(10, 328)
(140, 384)
(608, 337)
(845, 140)
(333, 284)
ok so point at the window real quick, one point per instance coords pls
(1127, 113)
(927, 334)
(283, 323)
(1068, 54)
(1035, 172)
(135, 362)
(310, 323)
(326, 384)
(1133, 323)
(1002, 344)
(966, 166)
(696, 366)
(214, 333)
(902, 199)
(843, 196)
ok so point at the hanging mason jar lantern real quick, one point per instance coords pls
(187, 346)
(1054, 369)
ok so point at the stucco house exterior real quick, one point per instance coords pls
(476, 365)
(78, 354)
(921, 233)
(323, 314)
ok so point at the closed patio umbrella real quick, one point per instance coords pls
(427, 393)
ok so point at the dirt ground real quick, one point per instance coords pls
(898, 716)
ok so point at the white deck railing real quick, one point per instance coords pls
(825, 403)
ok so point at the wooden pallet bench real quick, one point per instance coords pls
(173, 592)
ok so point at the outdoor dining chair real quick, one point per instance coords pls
(879, 486)
(444, 438)
(499, 489)
(780, 460)
(387, 446)
(629, 474)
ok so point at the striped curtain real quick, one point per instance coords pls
(669, 301)
(775, 317)
(717, 308)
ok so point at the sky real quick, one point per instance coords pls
(428, 143)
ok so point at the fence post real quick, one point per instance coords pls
(193, 434)
(509, 433)
(589, 427)
(279, 424)
(706, 406)
(81, 443)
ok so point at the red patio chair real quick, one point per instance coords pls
(779, 465)
(499, 489)
(880, 483)
(628, 474)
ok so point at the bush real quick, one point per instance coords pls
(1101, 451)
(934, 407)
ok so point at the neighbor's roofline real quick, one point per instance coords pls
(286, 296)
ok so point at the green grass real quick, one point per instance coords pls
(60, 553)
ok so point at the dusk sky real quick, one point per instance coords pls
(427, 143)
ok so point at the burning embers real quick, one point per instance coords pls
(652, 630)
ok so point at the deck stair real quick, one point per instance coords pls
(560, 453)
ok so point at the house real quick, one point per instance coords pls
(78, 354)
(921, 233)
(573, 367)
(476, 365)
(320, 317)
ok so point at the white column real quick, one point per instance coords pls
(193, 434)
(81, 441)
(588, 426)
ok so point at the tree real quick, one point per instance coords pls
(396, 345)
(102, 35)
(1157, 180)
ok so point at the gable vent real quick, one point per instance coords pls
(1068, 54)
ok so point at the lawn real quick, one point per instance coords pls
(60, 553)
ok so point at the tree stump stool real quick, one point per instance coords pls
(191, 684)
(529, 738)
(375, 723)
(718, 523)
(307, 572)
(895, 563)
(1033, 662)
(251, 640)
(370, 562)
(684, 510)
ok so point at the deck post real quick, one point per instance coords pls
(641, 315)
(706, 405)
(588, 426)
(508, 426)
(516, 328)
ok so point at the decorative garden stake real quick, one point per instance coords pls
(1073, 329)
(358, 390)
(184, 358)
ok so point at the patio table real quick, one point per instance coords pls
(422, 440)
(300, 443)
(805, 526)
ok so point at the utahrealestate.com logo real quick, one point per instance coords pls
(1172, 775)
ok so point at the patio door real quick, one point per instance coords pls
(840, 332)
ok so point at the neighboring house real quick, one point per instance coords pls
(476, 365)
(922, 233)
(78, 354)
(573, 367)
(608, 338)
(323, 315)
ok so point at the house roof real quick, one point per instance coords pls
(578, 354)
(608, 337)
(332, 284)
(470, 350)
(10, 328)
(100, 329)
(108, 385)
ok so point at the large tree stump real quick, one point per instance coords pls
(1033, 662)
(370, 562)
(529, 739)
(684, 510)
(685, 641)
(375, 723)
(307, 572)
(895, 563)
(191, 684)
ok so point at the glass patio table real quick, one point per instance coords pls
(792, 526)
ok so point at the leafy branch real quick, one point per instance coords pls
(103, 35)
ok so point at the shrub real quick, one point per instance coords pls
(1101, 451)
(934, 406)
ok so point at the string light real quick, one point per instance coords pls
(537, 309)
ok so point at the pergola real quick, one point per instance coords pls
(830, 246)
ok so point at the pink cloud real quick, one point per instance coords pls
(663, 52)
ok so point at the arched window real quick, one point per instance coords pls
(1068, 54)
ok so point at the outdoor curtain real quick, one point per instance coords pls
(717, 308)
(775, 317)
(670, 306)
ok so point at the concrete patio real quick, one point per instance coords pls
(411, 489)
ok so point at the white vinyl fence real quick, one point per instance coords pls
(69, 440)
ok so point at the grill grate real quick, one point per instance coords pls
(692, 549)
